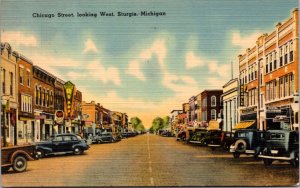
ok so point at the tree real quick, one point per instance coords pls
(137, 124)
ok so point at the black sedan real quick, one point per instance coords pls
(62, 144)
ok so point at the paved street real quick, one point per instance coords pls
(151, 160)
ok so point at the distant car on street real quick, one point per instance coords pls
(62, 144)
(224, 140)
(105, 137)
(281, 145)
(248, 141)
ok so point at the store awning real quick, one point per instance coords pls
(244, 125)
(213, 125)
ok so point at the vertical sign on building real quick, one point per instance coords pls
(69, 91)
(242, 97)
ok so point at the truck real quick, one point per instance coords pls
(16, 157)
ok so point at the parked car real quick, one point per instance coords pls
(62, 144)
(248, 141)
(117, 137)
(16, 157)
(198, 137)
(224, 140)
(104, 138)
(281, 145)
(181, 135)
(167, 134)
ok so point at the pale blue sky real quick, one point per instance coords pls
(146, 66)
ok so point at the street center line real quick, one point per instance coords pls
(149, 161)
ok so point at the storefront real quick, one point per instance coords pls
(279, 117)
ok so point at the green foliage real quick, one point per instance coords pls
(137, 124)
(159, 123)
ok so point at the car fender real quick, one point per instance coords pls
(20, 152)
(292, 154)
(77, 145)
(45, 149)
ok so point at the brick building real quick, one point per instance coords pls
(43, 105)
(25, 127)
(211, 105)
(269, 78)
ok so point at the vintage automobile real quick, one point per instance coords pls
(181, 135)
(248, 141)
(198, 137)
(225, 140)
(166, 134)
(16, 157)
(105, 137)
(281, 145)
(117, 136)
(62, 144)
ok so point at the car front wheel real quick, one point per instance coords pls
(19, 164)
(40, 153)
(78, 151)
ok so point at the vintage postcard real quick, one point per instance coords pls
(201, 93)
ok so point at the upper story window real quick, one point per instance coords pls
(291, 52)
(21, 75)
(28, 78)
(11, 81)
(36, 93)
(213, 101)
(270, 63)
(280, 57)
(213, 114)
(267, 66)
(204, 102)
(275, 62)
(286, 55)
(3, 81)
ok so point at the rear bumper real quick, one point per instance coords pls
(214, 145)
(275, 157)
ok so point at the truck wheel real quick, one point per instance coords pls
(78, 151)
(19, 164)
(99, 142)
(236, 155)
(5, 169)
(267, 162)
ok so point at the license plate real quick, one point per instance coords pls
(274, 151)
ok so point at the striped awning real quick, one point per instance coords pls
(213, 125)
(244, 125)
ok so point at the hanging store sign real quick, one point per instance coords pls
(59, 116)
(49, 121)
(69, 91)
(242, 95)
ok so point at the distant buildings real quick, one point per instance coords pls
(36, 104)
